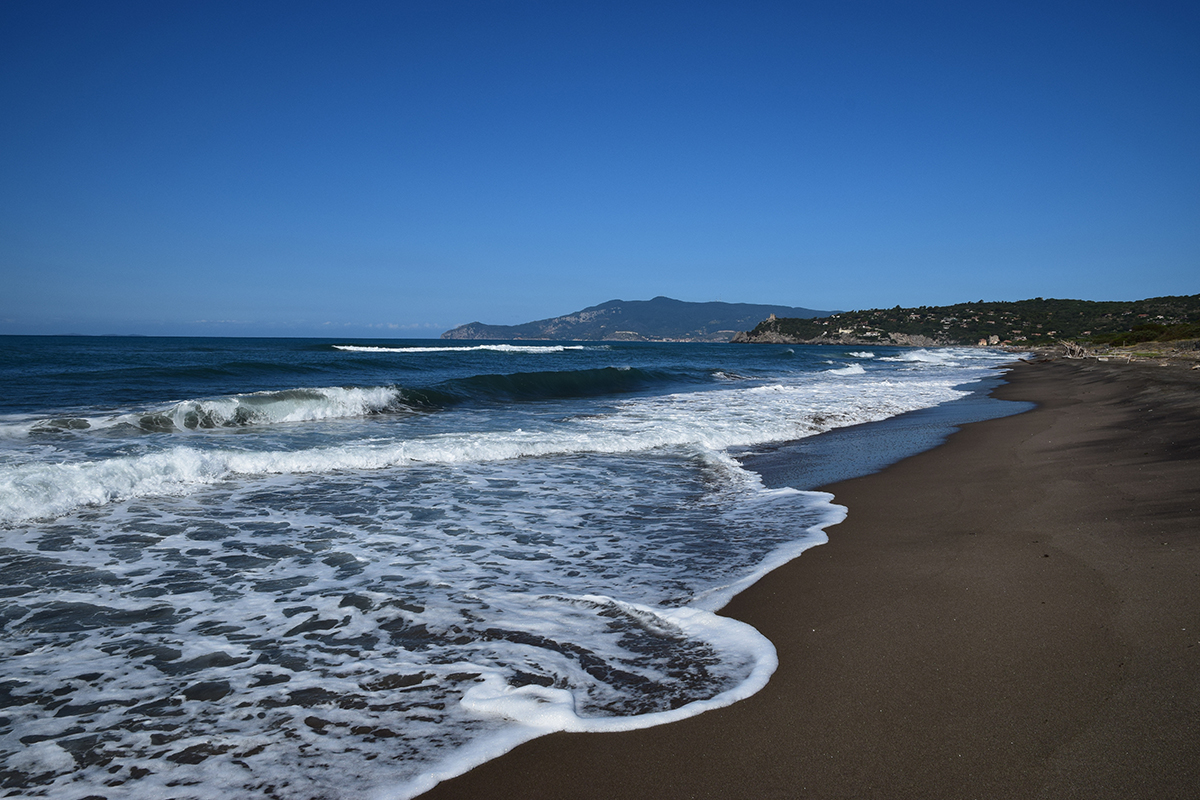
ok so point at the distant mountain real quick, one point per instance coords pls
(659, 320)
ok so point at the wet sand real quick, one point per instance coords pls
(1014, 614)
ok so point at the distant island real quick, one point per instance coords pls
(659, 320)
(1022, 323)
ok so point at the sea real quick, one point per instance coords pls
(340, 568)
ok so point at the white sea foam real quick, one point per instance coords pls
(240, 410)
(546, 709)
(293, 405)
(351, 609)
(861, 354)
(712, 419)
(942, 356)
(343, 616)
(499, 348)
(849, 369)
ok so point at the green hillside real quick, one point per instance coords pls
(1024, 322)
(660, 319)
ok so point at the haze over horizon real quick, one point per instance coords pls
(398, 169)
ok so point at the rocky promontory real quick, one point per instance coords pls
(659, 320)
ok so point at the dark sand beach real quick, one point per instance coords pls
(1014, 614)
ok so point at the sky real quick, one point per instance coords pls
(395, 169)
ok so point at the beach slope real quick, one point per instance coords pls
(1013, 614)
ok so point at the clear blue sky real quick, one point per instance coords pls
(398, 168)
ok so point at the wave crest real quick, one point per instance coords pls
(241, 410)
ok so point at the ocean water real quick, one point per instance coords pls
(297, 568)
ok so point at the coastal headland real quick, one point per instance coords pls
(661, 319)
(1013, 614)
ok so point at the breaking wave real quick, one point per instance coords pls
(240, 410)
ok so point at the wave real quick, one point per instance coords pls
(240, 410)
(327, 403)
(852, 369)
(500, 348)
(458, 660)
(943, 357)
(557, 384)
(706, 421)
(543, 709)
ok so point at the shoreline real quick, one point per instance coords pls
(1011, 614)
(854, 451)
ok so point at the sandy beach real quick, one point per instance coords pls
(1015, 613)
